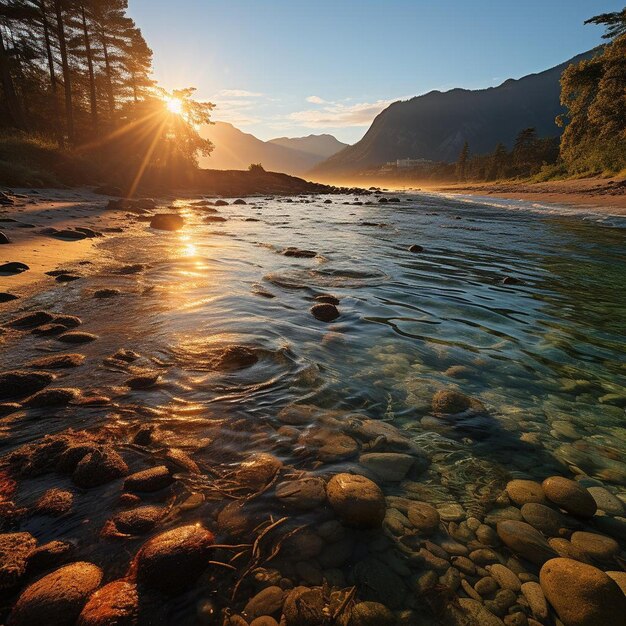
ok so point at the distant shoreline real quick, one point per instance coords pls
(606, 195)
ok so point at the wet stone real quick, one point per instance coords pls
(51, 398)
(167, 221)
(77, 337)
(371, 614)
(143, 381)
(423, 517)
(232, 358)
(304, 606)
(387, 466)
(504, 577)
(173, 559)
(486, 586)
(106, 293)
(524, 491)
(304, 493)
(564, 548)
(115, 604)
(16, 384)
(14, 551)
(258, 470)
(99, 467)
(450, 402)
(58, 361)
(536, 600)
(570, 496)
(356, 500)
(139, 520)
(49, 555)
(55, 502)
(543, 518)
(582, 595)
(269, 601)
(31, 320)
(594, 546)
(58, 598)
(451, 512)
(606, 501)
(325, 312)
(152, 479)
(524, 540)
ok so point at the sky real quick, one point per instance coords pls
(294, 67)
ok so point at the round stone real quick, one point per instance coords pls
(536, 600)
(304, 493)
(570, 496)
(423, 516)
(58, 598)
(581, 594)
(304, 607)
(450, 402)
(504, 577)
(595, 546)
(543, 518)
(387, 466)
(371, 614)
(116, 603)
(524, 491)
(268, 601)
(356, 500)
(606, 501)
(524, 540)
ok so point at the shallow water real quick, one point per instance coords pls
(543, 354)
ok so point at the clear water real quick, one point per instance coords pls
(545, 355)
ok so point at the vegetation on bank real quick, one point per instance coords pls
(77, 101)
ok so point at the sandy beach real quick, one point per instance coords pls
(603, 194)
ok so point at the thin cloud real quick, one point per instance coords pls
(316, 100)
(238, 93)
(339, 115)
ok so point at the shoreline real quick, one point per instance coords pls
(603, 195)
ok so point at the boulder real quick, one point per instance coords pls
(31, 320)
(51, 398)
(58, 361)
(569, 496)
(543, 518)
(356, 500)
(173, 559)
(167, 221)
(76, 336)
(581, 594)
(58, 598)
(18, 383)
(594, 546)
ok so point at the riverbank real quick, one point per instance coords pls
(603, 194)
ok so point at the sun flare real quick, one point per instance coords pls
(174, 105)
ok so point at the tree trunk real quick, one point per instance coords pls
(53, 78)
(67, 81)
(92, 83)
(13, 106)
(107, 69)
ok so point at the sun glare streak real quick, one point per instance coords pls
(174, 105)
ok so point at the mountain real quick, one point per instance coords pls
(434, 126)
(323, 146)
(236, 150)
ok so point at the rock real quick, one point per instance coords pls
(58, 361)
(51, 398)
(423, 516)
(99, 467)
(594, 546)
(7, 297)
(240, 201)
(371, 614)
(14, 551)
(179, 461)
(325, 312)
(504, 577)
(377, 582)
(581, 594)
(258, 470)
(450, 402)
(55, 502)
(4, 238)
(18, 383)
(486, 586)
(13, 267)
(139, 520)
(524, 540)
(570, 496)
(221, 203)
(50, 555)
(172, 560)
(31, 320)
(543, 518)
(298, 414)
(47, 330)
(269, 601)
(606, 501)
(536, 600)
(387, 466)
(298, 253)
(264, 620)
(75, 336)
(152, 479)
(356, 500)
(451, 512)
(58, 598)
(525, 491)
(415, 248)
(565, 549)
(167, 221)
(115, 604)
(213, 218)
(230, 358)
(326, 298)
(68, 233)
(478, 613)
(304, 493)
(328, 444)
(106, 293)
(305, 543)
(619, 578)
(143, 381)
(304, 607)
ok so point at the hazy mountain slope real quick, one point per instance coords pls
(321, 145)
(435, 125)
(236, 150)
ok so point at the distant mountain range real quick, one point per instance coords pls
(434, 126)
(236, 150)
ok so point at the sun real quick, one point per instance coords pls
(174, 105)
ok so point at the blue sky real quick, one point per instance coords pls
(295, 67)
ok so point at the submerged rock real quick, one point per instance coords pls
(58, 598)
(415, 248)
(58, 361)
(388, 466)
(7, 297)
(582, 595)
(31, 320)
(594, 546)
(325, 312)
(18, 383)
(115, 604)
(304, 493)
(304, 606)
(175, 558)
(524, 540)
(356, 500)
(232, 358)
(99, 467)
(450, 402)
(14, 551)
(371, 614)
(152, 479)
(257, 471)
(299, 253)
(52, 398)
(106, 293)
(525, 491)
(77, 337)
(143, 381)
(423, 516)
(167, 221)
(570, 496)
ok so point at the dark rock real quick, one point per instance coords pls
(47, 330)
(371, 614)
(143, 381)
(4, 238)
(325, 312)
(47, 556)
(423, 516)
(58, 361)
(570, 496)
(75, 337)
(18, 383)
(139, 520)
(7, 297)
(543, 518)
(304, 493)
(221, 203)
(71, 235)
(450, 402)
(240, 201)
(88, 231)
(415, 248)
(152, 479)
(213, 218)
(51, 398)
(14, 551)
(356, 500)
(31, 320)
(13, 267)
(99, 467)
(66, 278)
(298, 253)
(326, 298)
(268, 601)
(167, 221)
(232, 358)
(175, 558)
(58, 598)
(524, 540)
(304, 607)
(106, 293)
(55, 502)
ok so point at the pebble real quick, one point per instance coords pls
(139, 520)
(450, 402)
(387, 466)
(486, 586)
(543, 518)
(525, 540)
(356, 500)
(606, 501)
(564, 548)
(269, 601)
(175, 558)
(504, 577)
(58, 598)
(525, 491)
(478, 612)
(115, 604)
(581, 594)
(151, 479)
(371, 614)
(451, 512)
(13, 267)
(106, 293)
(423, 516)
(570, 496)
(143, 381)
(536, 600)
(31, 320)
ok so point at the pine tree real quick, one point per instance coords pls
(461, 164)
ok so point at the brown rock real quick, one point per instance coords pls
(304, 493)
(570, 496)
(325, 312)
(17, 384)
(450, 402)
(269, 601)
(55, 502)
(543, 518)
(356, 500)
(139, 520)
(582, 595)
(594, 546)
(152, 479)
(371, 614)
(423, 516)
(304, 607)
(14, 551)
(115, 604)
(524, 491)
(99, 467)
(524, 540)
